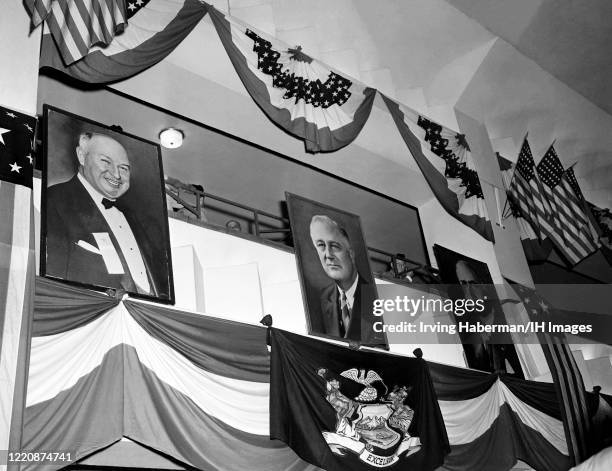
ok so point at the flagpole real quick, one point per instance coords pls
(499, 214)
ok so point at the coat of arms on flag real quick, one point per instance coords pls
(344, 409)
(374, 424)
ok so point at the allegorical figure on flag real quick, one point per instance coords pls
(340, 409)
(93, 236)
(375, 423)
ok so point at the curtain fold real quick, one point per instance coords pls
(229, 348)
(196, 389)
(59, 307)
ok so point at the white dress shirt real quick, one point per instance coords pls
(350, 293)
(124, 235)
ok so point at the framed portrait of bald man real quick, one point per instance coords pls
(104, 220)
(335, 275)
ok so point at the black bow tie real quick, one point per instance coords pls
(109, 203)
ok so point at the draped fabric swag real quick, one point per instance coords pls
(304, 97)
(197, 389)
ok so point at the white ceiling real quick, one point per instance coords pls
(569, 39)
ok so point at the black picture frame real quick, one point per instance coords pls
(96, 260)
(318, 289)
(499, 349)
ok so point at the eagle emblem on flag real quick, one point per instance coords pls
(374, 422)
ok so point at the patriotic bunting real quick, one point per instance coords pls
(300, 94)
(445, 160)
(160, 377)
(155, 28)
(166, 379)
(78, 25)
(494, 420)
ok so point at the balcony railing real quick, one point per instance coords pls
(194, 202)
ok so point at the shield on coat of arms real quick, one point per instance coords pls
(373, 428)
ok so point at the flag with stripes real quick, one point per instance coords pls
(528, 194)
(17, 269)
(303, 96)
(78, 25)
(444, 158)
(566, 209)
(565, 373)
(154, 29)
(571, 178)
(163, 378)
(536, 250)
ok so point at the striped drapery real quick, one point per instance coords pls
(197, 389)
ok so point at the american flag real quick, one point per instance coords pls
(565, 373)
(536, 250)
(566, 210)
(79, 25)
(17, 132)
(529, 195)
(571, 178)
(17, 268)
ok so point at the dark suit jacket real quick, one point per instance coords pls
(362, 319)
(71, 216)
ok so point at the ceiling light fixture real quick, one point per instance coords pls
(171, 138)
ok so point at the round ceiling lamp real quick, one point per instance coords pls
(171, 138)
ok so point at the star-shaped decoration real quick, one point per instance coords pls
(14, 167)
(139, 2)
(3, 131)
(29, 127)
(11, 115)
(132, 7)
(544, 306)
(29, 157)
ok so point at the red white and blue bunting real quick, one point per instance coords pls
(446, 162)
(166, 379)
(298, 93)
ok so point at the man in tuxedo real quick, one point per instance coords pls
(346, 304)
(92, 237)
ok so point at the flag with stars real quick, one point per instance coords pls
(536, 250)
(16, 142)
(153, 29)
(444, 158)
(565, 373)
(307, 99)
(529, 195)
(570, 218)
(17, 268)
